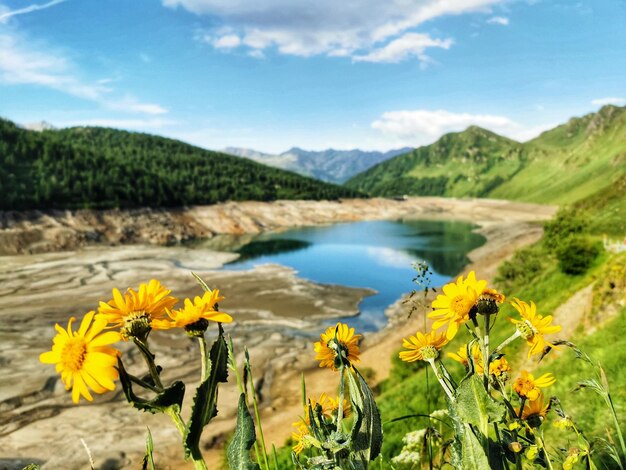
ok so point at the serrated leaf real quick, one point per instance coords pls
(473, 456)
(204, 406)
(170, 397)
(456, 446)
(475, 406)
(239, 448)
(367, 430)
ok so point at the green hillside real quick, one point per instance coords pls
(468, 163)
(106, 168)
(572, 161)
(581, 163)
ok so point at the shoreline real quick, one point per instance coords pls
(278, 358)
(33, 232)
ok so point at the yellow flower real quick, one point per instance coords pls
(535, 410)
(533, 326)
(202, 308)
(528, 387)
(453, 307)
(477, 357)
(563, 423)
(84, 358)
(573, 456)
(423, 347)
(338, 345)
(300, 437)
(500, 368)
(334, 406)
(135, 311)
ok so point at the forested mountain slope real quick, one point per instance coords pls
(103, 168)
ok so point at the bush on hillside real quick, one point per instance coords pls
(525, 265)
(566, 224)
(576, 254)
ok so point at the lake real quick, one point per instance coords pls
(375, 254)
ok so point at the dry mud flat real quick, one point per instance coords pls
(277, 316)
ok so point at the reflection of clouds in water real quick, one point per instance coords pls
(391, 257)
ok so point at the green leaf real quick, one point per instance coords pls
(243, 440)
(203, 284)
(367, 430)
(473, 456)
(170, 397)
(148, 459)
(456, 445)
(204, 407)
(475, 406)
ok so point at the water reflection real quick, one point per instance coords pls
(375, 254)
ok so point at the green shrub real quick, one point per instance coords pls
(576, 254)
(525, 265)
(565, 224)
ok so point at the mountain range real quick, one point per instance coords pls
(334, 166)
(95, 167)
(581, 163)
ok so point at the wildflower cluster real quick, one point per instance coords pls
(321, 437)
(486, 405)
(88, 362)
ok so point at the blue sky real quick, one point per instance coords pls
(272, 74)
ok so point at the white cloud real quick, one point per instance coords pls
(5, 15)
(131, 105)
(227, 42)
(411, 44)
(131, 124)
(609, 100)
(435, 123)
(501, 20)
(347, 28)
(390, 257)
(21, 63)
(422, 127)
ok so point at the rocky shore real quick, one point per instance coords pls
(277, 315)
(51, 231)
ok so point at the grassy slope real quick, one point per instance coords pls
(573, 161)
(403, 395)
(468, 163)
(582, 162)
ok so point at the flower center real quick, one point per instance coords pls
(527, 330)
(524, 386)
(73, 354)
(461, 305)
(429, 353)
(136, 324)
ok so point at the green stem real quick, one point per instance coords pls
(203, 357)
(149, 358)
(616, 423)
(545, 451)
(256, 413)
(342, 391)
(506, 342)
(486, 354)
(198, 464)
(444, 385)
(143, 384)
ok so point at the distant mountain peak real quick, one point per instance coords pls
(335, 166)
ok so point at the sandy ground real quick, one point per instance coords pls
(277, 315)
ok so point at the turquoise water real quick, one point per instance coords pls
(375, 254)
